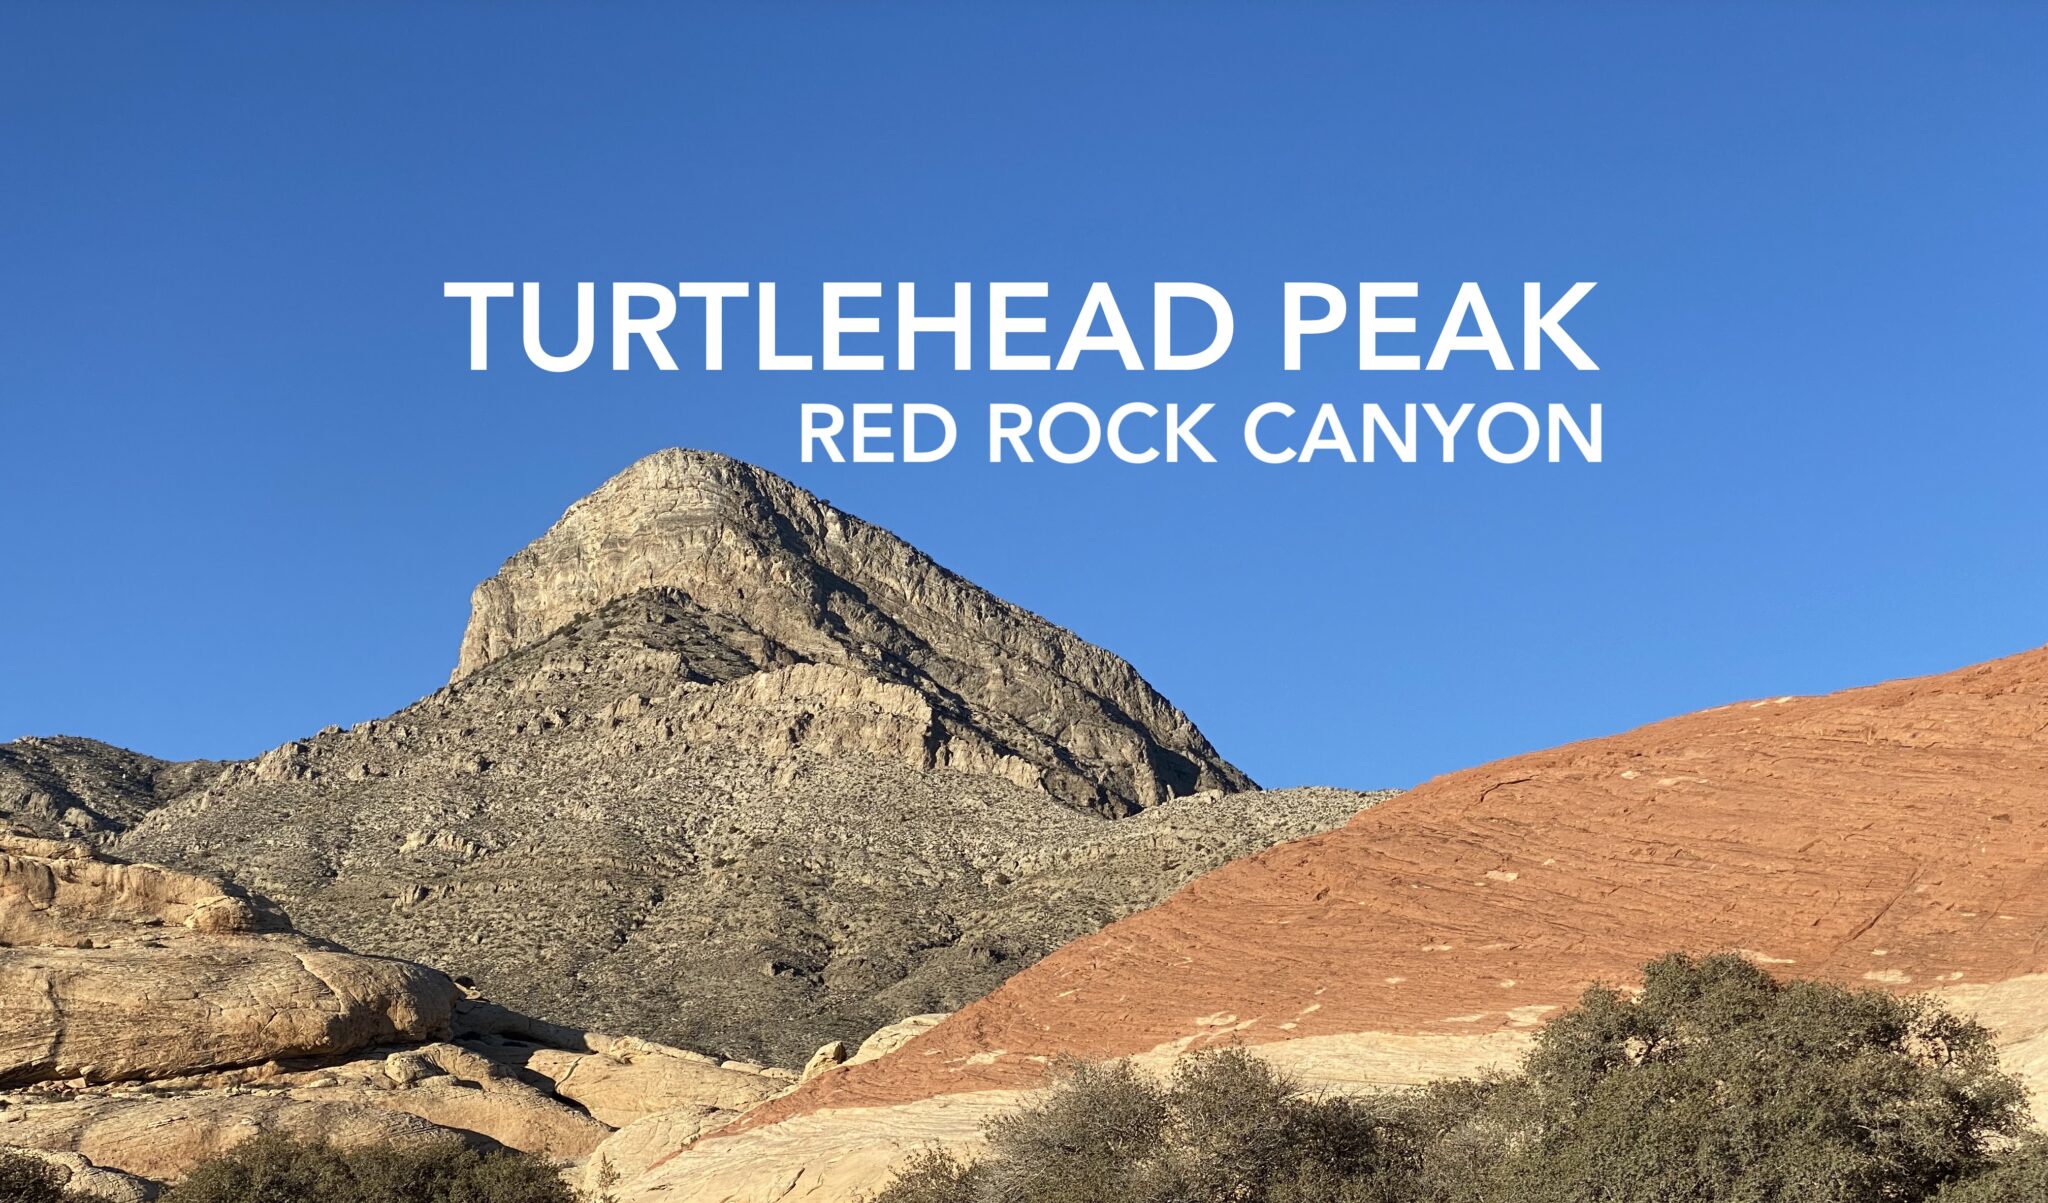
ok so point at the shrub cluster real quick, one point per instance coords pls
(281, 1169)
(1714, 1084)
(26, 1179)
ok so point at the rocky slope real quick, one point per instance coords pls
(728, 769)
(66, 787)
(1895, 835)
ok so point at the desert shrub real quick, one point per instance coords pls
(1238, 1129)
(1225, 1126)
(26, 1179)
(281, 1169)
(1714, 1084)
(2021, 1176)
(933, 1176)
(1718, 1082)
(1079, 1145)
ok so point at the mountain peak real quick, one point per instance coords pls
(750, 547)
(737, 770)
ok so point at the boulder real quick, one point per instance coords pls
(113, 972)
(829, 1056)
(887, 1040)
(80, 1176)
(626, 1079)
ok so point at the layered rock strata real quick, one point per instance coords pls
(1068, 717)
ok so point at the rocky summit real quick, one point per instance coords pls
(789, 579)
(721, 767)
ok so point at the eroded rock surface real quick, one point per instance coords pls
(150, 1020)
(114, 972)
(77, 1174)
(159, 1137)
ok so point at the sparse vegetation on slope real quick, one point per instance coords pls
(1715, 1084)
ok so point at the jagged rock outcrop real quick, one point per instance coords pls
(733, 771)
(1071, 718)
(1894, 836)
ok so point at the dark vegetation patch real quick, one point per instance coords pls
(1715, 1084)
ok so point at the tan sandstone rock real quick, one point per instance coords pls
(629, 1079)
(79, 1175)
(152, 1020)
(895, 1036)
(161, 1137)
(829, 1056)
(114, 971)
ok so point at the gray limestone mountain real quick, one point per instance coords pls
(1026, 699)
(722, 767)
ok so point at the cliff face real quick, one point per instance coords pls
(1079, 722)
(1895, 836)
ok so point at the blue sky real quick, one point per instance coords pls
(247, 480)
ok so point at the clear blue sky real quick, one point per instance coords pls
(248, 480)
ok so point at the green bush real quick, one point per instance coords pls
(1719, 1083)
(281, 1169)
(2019, 1177)
(1714, 1084)
(25, 1179)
